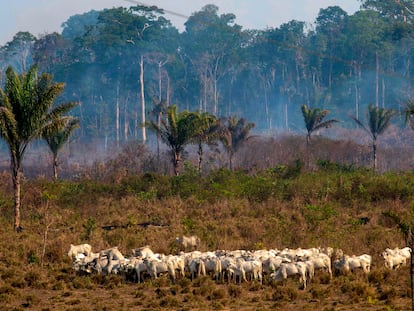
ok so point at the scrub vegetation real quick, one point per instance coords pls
(288, 205)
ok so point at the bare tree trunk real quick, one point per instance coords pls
(55, 167)
(266, 102)
(377, 68)
(200, 157)
(16, 172)
(117, 116)
(168, 89)
(176, 163)
(374, 152)
(356, 93)
(231, 154)
(141, 81)
(158, 136)
(159, 81)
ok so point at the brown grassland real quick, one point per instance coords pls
(297, 203)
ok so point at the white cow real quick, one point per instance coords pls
(290, 269)
(213, 266)
(236, 270)
(140, 268)
(251, 267)
(320, 262)
(196, 267)
(156, 267)
(144, 252)
(188, 242)
(74, 250)
(271, 264)
(112, 253)
(395, 258)
(351, 263)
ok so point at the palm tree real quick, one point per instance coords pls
(378, 121)
(26, 108)
(314, 120)
(176, 131)
(207, 131)
(56, 136)
(236, 133)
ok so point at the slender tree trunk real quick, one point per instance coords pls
(176, 162)
(377, 68)
(159, 81)
(231, 154)
(141, 81)
(356, 93)
(168, 89)
(374, 153)
(16, 172)
(200, 157)
(266, 100)
(287, 114)
(126, 119)
(55, 167)
(158, 136)
(117, 116)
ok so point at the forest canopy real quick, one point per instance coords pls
(119, 63)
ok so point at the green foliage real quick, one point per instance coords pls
(147, 186)
(319, 213)
(188, 224)
(327, 165)
(258, 188)
(314, 120)
(32, 258)
(343, 184)
(89, 226)
(287, 171)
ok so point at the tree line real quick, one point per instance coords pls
(119, 63)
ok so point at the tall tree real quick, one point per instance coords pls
(402, 10)
(26, 108)
(366, 44)
(56, 135)
(236, 133)
(314, 120)
(209, 41)
(176, 131)
(19, 51)
(330, 25)
(378, 121)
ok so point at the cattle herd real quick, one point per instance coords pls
(228, 266)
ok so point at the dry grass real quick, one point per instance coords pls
(241, 211)
(233, 223)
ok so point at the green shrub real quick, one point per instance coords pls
(327, 165)
(89, 226)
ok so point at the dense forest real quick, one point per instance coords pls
(121, 63)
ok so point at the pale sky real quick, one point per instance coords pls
(46, 16)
